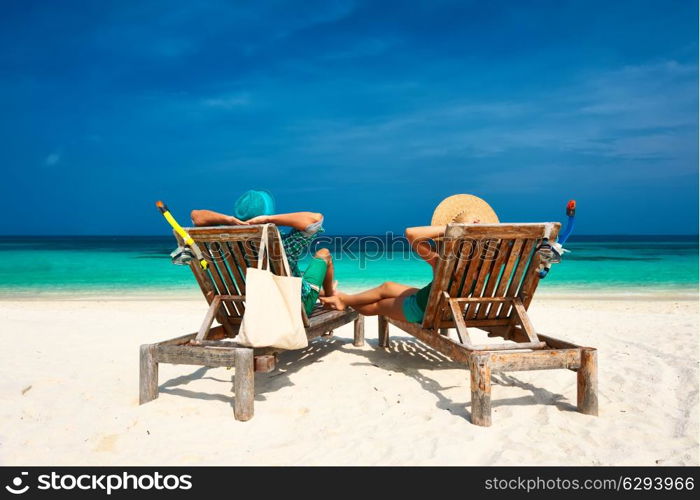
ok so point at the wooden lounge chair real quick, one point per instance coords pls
(486, 279)
(230, 250)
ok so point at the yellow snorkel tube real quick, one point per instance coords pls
(182, 233)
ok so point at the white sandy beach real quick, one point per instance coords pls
(69, 393)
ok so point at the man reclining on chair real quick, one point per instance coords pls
(257, 207)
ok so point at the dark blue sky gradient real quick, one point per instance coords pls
(370, 112)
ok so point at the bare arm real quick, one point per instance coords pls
(419, 239)
(211, 218)
(297, 220)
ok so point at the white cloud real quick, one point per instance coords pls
(52, 159)
(227, 102)
(635, 113)
(647, 96)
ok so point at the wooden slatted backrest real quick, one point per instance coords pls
(230, 251)
(486, 260)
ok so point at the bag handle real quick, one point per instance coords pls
(263, 249)
(283, 256)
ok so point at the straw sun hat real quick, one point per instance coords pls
(464, 208)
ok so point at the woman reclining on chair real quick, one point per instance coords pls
(407, 303)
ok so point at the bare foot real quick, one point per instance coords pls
(333, 302)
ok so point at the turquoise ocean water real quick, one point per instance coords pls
(40, 266)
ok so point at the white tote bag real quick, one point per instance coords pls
(272, 315)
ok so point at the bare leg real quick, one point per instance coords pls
(386, 290)
(392, 308)
(324, 254)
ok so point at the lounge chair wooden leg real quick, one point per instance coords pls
(480, 371)
(243, 383)
(587, 383)
(359, 338)
(148, 374)
(383, 331)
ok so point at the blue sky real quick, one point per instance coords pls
(370, 112)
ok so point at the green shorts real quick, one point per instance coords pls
(411, 309)
(312, 281)
(414, 305)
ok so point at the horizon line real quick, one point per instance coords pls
(325, 234)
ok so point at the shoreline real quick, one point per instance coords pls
(133, 294)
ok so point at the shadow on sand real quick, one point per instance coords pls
(289, 362)
(405, 356)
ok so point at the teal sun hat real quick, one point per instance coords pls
(253, 203)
